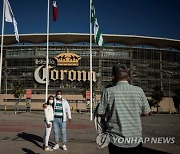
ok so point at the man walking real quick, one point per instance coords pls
(121, 107)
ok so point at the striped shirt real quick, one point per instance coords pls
(124, 104)
(58, 108)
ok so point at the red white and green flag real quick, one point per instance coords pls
(55, 10)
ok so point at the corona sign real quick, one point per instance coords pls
(67, 59)
(72, 75)
(63, 59)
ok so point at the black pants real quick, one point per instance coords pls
(119, 150)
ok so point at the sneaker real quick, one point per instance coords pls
(48, 149)
(56, 147)
(64, 147)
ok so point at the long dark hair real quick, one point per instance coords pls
(49, 99)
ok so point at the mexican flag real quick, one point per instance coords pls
(55, 10)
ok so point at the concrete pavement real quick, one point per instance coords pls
(23, 133)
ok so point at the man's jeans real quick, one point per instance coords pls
(58, 123)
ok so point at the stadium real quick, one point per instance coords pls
(151, 62)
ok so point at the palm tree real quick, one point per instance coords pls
(18, 91)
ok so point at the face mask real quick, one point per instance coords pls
(59, 96)
(51, 101)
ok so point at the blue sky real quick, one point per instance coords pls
(157, 18)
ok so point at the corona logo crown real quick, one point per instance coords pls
(67, 59)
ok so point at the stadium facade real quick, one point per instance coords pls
(151, 61)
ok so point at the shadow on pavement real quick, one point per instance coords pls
(150, 151)
(31, 138)
(28, 151)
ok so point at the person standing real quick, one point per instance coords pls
(61, 114)
(49, 117)
(121, 107)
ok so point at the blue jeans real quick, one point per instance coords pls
(58, 123)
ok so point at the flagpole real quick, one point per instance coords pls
(2, 42)
(47, 53)
(90, 62)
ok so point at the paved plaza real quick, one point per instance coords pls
(22, 133)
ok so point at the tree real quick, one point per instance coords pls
(176, 100)
(18, 91)
(86, 87)
(151, 102)
(156, 96)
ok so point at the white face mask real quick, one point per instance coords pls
(51, 101)
(59, 96)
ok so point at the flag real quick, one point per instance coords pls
(55, 10)
(97, 33)
(9, 17)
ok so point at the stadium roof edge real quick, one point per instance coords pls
(68, 38)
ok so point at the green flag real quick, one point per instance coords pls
(97, 33)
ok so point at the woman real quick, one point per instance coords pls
(49, 118)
